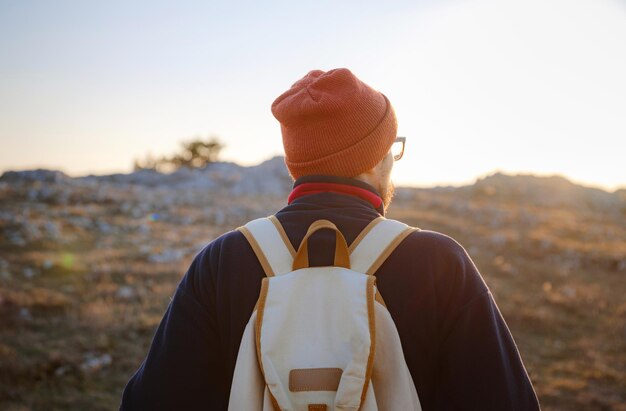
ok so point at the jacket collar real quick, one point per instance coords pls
(315, 184)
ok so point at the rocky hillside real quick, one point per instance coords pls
(88, 266)
(270, 178)
(267, 178)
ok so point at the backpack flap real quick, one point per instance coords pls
(312, 320)
(316, 332)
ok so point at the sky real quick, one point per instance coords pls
(478, 86)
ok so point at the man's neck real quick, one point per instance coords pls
(315, 184)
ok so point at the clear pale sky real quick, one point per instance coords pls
(478, 85)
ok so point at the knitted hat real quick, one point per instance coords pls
(334, 124)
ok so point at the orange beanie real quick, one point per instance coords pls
(334, 124)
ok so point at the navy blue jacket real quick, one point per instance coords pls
(458, 348)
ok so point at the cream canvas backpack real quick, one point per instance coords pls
(320, 338)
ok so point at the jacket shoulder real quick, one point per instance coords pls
(221, 246)
(434, 242)
(437, 261)
(212, 261)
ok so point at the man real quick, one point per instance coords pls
(337, 134)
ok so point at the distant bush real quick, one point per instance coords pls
(196, 153)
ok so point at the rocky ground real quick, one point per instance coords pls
(88, 265)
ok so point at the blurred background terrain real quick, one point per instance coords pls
(88, 265)
(514, 118)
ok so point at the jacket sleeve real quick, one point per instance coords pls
(182, 369)
(480, 366)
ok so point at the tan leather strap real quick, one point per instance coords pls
(260, 311)
(364, 232)
(366, 253)
(342, 257)
(270, 244)
(382, 237)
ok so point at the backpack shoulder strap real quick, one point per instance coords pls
(377, 241)
(270, 244)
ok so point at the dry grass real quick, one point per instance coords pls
(558, 277)
(79, 305)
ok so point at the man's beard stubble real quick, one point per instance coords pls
(387, 193)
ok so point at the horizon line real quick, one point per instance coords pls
(471, 181)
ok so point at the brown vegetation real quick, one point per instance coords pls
(87, 270)
(196, 153)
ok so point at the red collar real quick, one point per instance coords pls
(314, 188)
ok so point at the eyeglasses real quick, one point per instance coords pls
(397, 148)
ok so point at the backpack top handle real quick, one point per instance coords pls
(342, 256)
